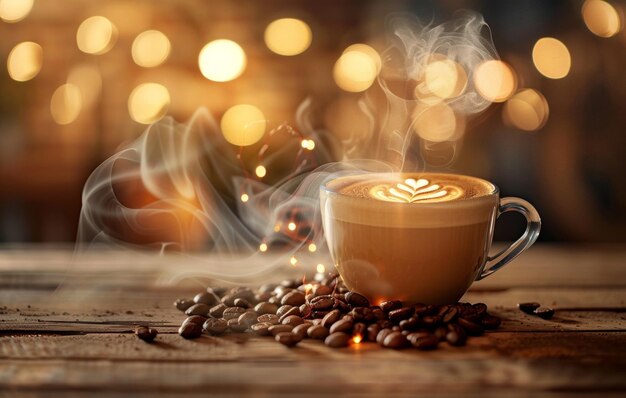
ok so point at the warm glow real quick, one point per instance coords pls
(222, 60)
(66, 104)
(551, 58)
(15, 10)
(436, 123)
(445, 78)
(293, 260)
(308, 144)
(495, 80)
(96, 35)
(367, 50)
(263, 247)
(320, 268)
(277, 228)
(88, 79)
(291, 226)
(148, 103)
(412, 191)
(260, 171)
(312, 247)
(24, 61)
(356, 69)
(244, 197)
(150, 48)
(357, 338)
(243, 125)
(288, 36)
(527, 110)
(601, 18)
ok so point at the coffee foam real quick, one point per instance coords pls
(410, 200)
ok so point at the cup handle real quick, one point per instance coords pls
(533, 226)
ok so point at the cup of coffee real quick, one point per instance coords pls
(417, 237)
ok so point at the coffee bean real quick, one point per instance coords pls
(490, 322)
(357, 300)
(378, 313)
(421, 309)
(198, 309)
(411, 337)
(528, 307)
(294, 311)
(242, 292)
(291, 283)
(426, 342)
(380, 337)
(337, 340)
(401, 313)
(275, 329)
(265, 308)
(319, 314)
(292, 320)
(309, 297)
(372, 332)
(273, 300)
(390, 305)
(343, 325)
(472, 328)
(261, 329)
(294, 298)
(270, 318)
(440, 333)
(282, 310)
(481, 308)
(215, 326)
(409, 324)
(450, 315)
(190, 330)
(305, 310)
(243, 303)
(341, 305)
(395, 340)
(145, 333)
(321, 290)
(385, 324)
(287, 338)
(331, 318)
(247, 319)
(302, 329)
(235, 326)
(262, 296)
(207, 298)
(197, 319)
(267, 288)
(430, 321)
(456, 335)
(324, 303)
(363, 314)
(544, 312)
(233, 313)
(217, 311)
(318, 332)
(183, 304)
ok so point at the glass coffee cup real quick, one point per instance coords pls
(417, 237)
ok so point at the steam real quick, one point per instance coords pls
(178, 187)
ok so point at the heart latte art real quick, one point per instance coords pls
(413, 190)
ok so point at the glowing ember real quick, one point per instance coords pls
(356, 339)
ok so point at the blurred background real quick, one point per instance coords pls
(81, 78)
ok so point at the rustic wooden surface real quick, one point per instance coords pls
(66, 323)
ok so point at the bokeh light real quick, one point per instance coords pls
(260, 171)
(89, 81)
(243, 125)
(66, 104)
(24, 61)
(435, 123)
(288, 36)
(445, 78)
(244, 197)
(150, 48)
(148, 102)
(320, 268)
(15, 10)
(263, 247)
(495, 80)
(222, 60)
(312, 247)
(308, 144)
(551, 58)
(357, 68)
(527, 110)
(601, 18)
(291, 226)
(96, 35)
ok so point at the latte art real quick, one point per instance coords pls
(412, 191)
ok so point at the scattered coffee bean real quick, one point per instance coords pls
(267, 288)
(409, 324)
(395, 340)
(380, 337)
(440, 333)
(294, 298)
(217, 311)
(293, 311)
(215, 326)
(183, 304)
(233, 313)
(145, 333)
(318, 332)
(544, 312)
(425, 342)
(357, 300)
(337, 340)
(207, 298)
(302, 329)
(390, 305)
(282, 310)
(372, 332)
(275, 329)
(331, 318)
(197, 319)
(385, 324)
(243, 303)
(450, 315)
(265, 308)
(305, 310)
(190, 330)
(292, 320)
(321, 290)
(528, 307)
(421, 309)
(490, 322)
(472, 328)
(235, 326)
(430, 321)
(261, 329)
(324, 303)
(456, 335)
(343, 325)
(270, 318)
(198, 309)
(247, 319)
(287, 338)
(481, 308)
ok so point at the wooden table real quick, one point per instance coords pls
(78, 340)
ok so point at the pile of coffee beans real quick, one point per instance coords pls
(327, 311)
(533, 308)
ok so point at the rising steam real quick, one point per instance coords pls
(178, 187)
